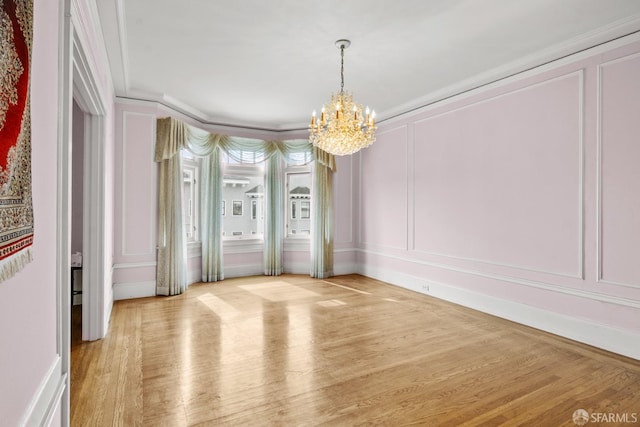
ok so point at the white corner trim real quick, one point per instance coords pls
(47, 398)
(605, 337)
(133, 290)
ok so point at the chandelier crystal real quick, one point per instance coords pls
(342, 127)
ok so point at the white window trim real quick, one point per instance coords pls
(189, 162)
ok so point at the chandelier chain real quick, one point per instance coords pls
(342, 68)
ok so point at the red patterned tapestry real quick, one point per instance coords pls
(16, 208)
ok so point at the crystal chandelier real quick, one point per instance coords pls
(342, 128)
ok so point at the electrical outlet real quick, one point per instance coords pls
(425, 288)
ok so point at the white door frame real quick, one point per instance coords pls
(77, 81)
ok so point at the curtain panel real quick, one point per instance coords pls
(274, 207)
(322, 226)
(174, 136)
(171, 271)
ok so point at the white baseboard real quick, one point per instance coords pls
(48, 397)
(148, 289)
(345, 268)
(194, 276)
(243, 270)
(133, 290)
(297, 268)
(605, 337)
(304, 268)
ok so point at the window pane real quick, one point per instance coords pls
(243, 187)
(304, 209)
(299, 203)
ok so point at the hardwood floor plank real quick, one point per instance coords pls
(291, 350)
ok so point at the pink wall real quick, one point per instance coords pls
(498, 180)
(527, 191)
(383, 191)
(619, 201)
(28, 304)
(135, 195)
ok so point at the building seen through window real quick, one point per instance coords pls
(243, 197)
(298, 204)
(243, 202)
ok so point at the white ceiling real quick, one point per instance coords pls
(268, 64)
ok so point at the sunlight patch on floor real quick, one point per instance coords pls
(218, 306)
(279, 291)
(331, 303)
(347, 287)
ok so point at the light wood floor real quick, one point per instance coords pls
(291, 350)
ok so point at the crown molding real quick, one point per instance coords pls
(621, 32)
(618, 34)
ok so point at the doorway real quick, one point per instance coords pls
(77, 223)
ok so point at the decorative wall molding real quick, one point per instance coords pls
(150, 244)
(406, 142)
(47, 399)
(498, 264)
(579, 274)
(599, 205)
(627, 302)
(411, 187)
(605, 337)
(125, 265)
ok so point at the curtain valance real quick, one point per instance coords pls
(174, 135)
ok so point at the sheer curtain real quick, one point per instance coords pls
(322, 228)
(173, 136)
(208, 146)
(273, 227)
